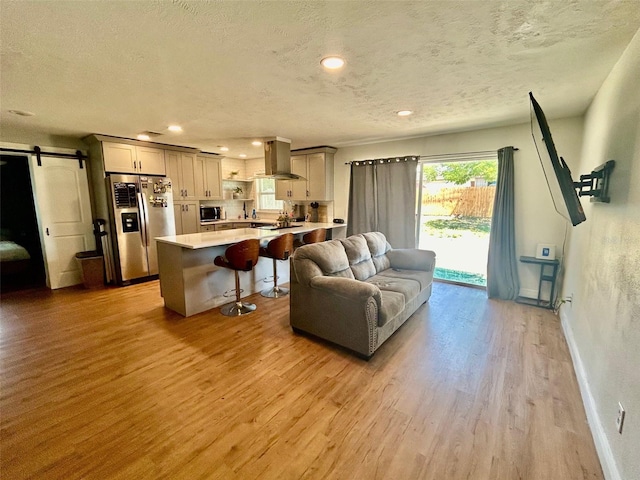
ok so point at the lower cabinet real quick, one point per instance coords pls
(224, 226)
(186, 217)
(217, 227)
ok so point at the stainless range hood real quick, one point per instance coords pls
(277, 159)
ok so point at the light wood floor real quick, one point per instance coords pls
(108, 384)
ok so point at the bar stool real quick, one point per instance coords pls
(240, 256)
(279, 248)
(314, 236)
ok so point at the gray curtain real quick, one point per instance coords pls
(502, 266)
(382, 198)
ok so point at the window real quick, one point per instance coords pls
(267, 195)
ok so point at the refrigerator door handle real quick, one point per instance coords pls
(144, 220)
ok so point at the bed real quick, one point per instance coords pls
(13, 257)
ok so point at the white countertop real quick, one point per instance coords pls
(229, 237)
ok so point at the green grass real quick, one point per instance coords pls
(460, 277)
(454, 227)
(471, 224)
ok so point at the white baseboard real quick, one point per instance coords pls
(607, 461)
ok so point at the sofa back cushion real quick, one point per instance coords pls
(324, 258)
(359, 257)
(378, 247)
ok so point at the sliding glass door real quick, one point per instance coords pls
(454, 212)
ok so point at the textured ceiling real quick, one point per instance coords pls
(229, 72)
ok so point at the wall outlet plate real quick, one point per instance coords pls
(620, 418)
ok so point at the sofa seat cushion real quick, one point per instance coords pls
(408, 287)
(423, 278)
(392, 305)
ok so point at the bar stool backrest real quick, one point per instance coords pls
(315, 236)
(280, 248)
(243, 255)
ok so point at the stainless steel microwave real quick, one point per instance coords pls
(209, 214)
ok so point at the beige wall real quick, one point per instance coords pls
(603, 272)
(536, 219)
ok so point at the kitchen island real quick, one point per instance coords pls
(189, 281)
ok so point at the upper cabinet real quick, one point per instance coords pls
(316, 166)
(151, 161)
(181, 169)
(126, 158)
(208, 177)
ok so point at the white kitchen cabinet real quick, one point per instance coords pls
(181, 169)
(119, 157)
(208, 178)
(150, 161)
(283, 190)
(207, 228)
(294, 189)
(186, 217)
(299, 188)
(224, 226)
(316, 166)
(125, 158)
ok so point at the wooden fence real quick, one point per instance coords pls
(460, 202)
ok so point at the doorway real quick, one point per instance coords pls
(22, 263)
(455, 209)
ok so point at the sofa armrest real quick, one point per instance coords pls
(341, 310)
(412, 259)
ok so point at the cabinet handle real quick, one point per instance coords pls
(140, 165)
(307, 193)
(134, 165)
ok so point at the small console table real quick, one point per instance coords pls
(548, 275)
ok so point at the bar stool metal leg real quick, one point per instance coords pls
(276, 291)
(238, 308)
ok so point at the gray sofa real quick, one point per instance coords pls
(357, 291)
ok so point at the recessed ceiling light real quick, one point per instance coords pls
(404, 113)
(332, 63)
(144, 137)
(174, 128)
(22, 113)
(256, 143)
(224, 149)
(243, 155)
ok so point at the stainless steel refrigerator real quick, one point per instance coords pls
(141, 209)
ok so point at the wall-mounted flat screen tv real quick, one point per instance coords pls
(563, 192)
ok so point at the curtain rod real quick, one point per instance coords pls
(38, 153)
(386, 160)
(442, 156)
(465, 154)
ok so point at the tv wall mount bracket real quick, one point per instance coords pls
(596, 183)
